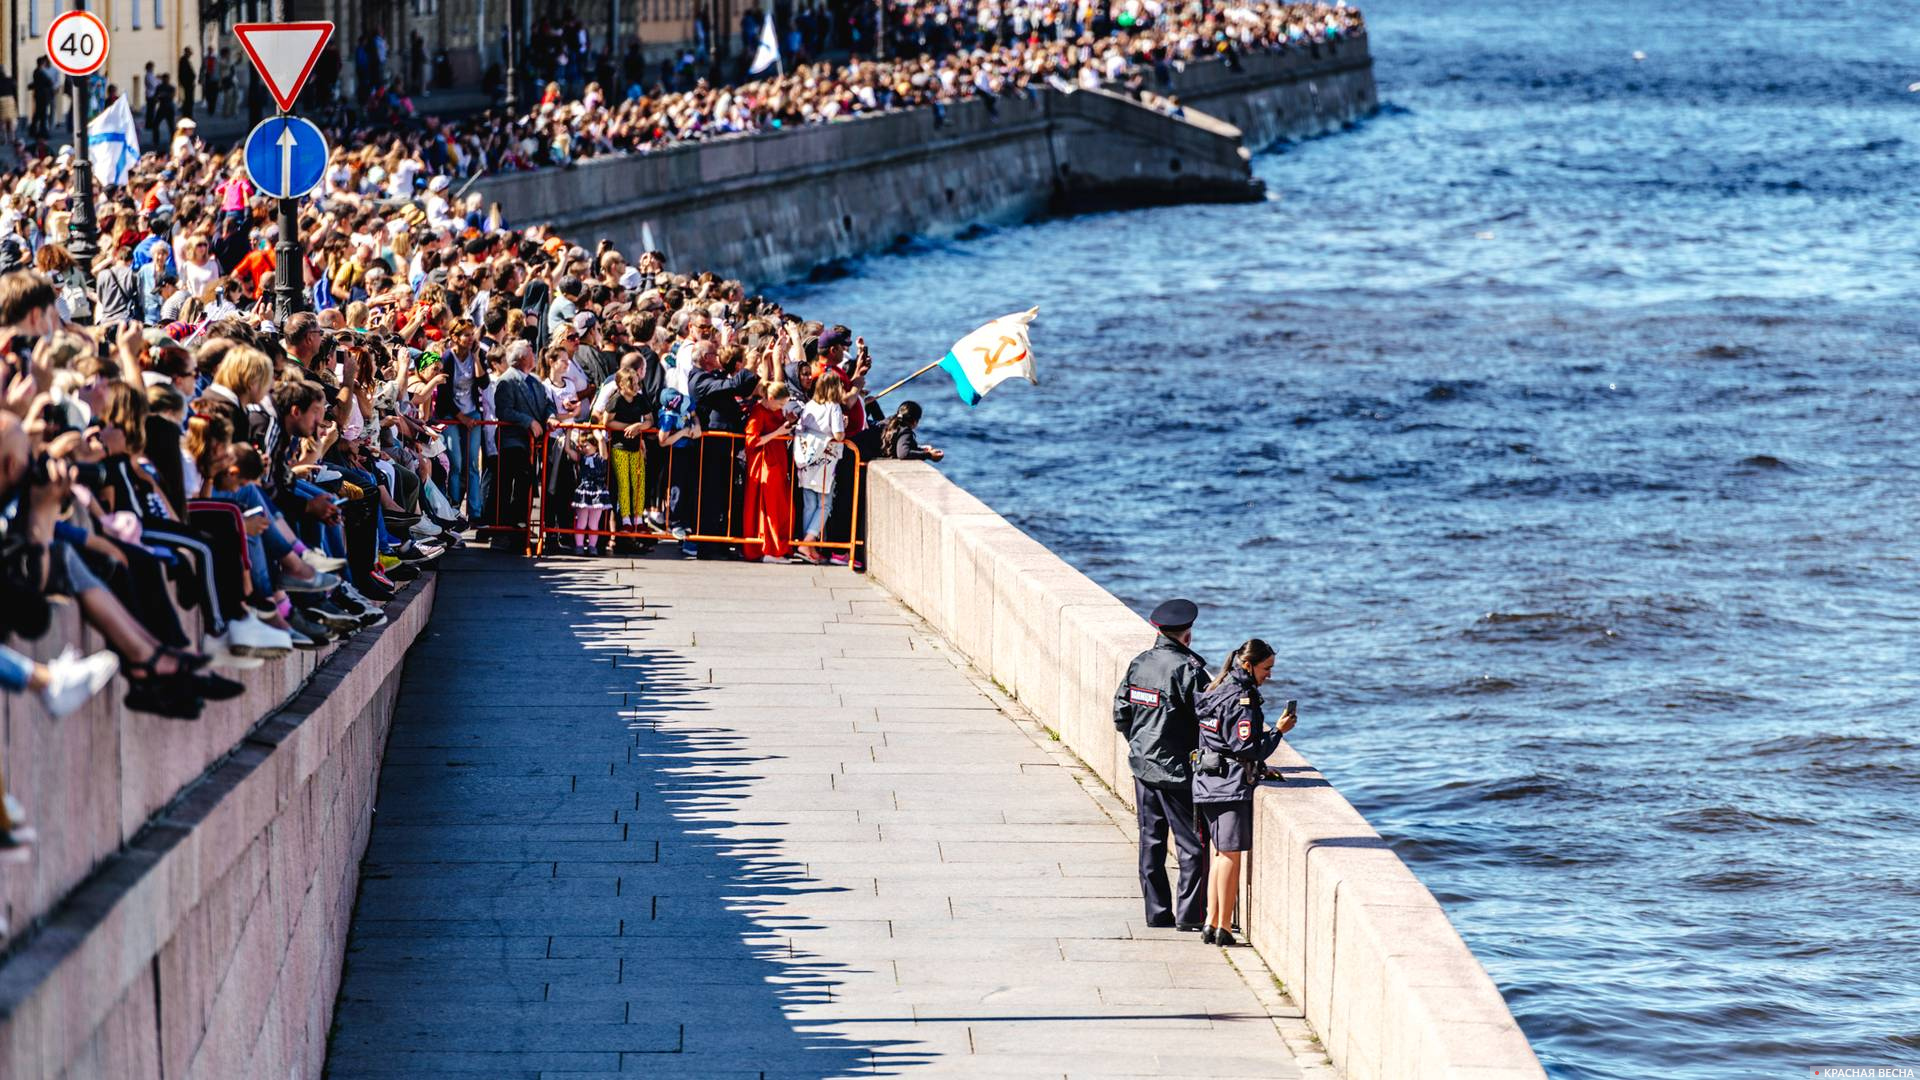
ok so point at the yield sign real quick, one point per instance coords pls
(284, 54)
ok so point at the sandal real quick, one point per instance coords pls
(171, 693)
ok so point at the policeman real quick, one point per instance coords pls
(1154, 710)
(1234, 741)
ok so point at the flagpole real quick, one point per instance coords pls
(908, 379)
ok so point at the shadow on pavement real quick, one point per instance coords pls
(556, 880)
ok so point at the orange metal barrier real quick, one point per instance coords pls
(491, 477)
(709, 442)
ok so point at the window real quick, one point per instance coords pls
(33, 18)
(159, 18)
(133, 7)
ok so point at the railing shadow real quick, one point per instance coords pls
(559, 881)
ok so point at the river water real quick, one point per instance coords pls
(1556, 426)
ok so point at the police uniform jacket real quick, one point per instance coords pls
(1232, 725)
(1154, 710)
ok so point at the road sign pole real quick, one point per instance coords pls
(84, 230)
(76, 44)
(289, 286)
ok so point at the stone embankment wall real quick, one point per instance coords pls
(770, 207)
(185, 910)
(1386, 982)
(1296, 95)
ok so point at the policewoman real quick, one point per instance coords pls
(1154, 710)
(1234, 741)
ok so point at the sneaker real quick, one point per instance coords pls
(656, 519)
(689, 551)
(75, 679)
(248, 636)
(416, 552)
(318, 583)
(838, 558)
(424, 528)
(321, 561)
(680, 533)
(217, 646)
(374, 591)
(353, 603)
(305, 634)
(332, 617)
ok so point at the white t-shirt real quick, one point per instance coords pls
(189, 474)
(818, 421)
(196, 278)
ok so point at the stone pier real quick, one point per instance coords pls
(728, 820)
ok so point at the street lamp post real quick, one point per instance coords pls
(512, 99)
(84, 230)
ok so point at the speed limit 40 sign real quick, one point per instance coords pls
(77, 43)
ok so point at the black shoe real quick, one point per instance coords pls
(215, 687)
(332, 617)
(401, 574)
(365, 615)
(1224, 939)
(308, 628)
(163, 697)
(1208, 936)
(1161, 923)
(411, 553)
(1190, 927)
(376, 592)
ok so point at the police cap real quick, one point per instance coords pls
(1174, 615)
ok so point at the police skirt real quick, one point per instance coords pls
(1229, 824)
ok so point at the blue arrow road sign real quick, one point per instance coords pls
(286, 156)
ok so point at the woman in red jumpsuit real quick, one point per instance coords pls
(769, 496)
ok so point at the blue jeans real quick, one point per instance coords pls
(331, 539)
(263, 551)
(15, 670)
(813, 513)
(463, 465)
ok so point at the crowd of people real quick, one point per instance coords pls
(985, 53)
(211, 486)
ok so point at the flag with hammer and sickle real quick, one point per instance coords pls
(991, 355)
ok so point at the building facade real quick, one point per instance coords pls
(139, 32)
(375, 37)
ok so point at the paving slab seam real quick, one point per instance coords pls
(1287, 1016)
